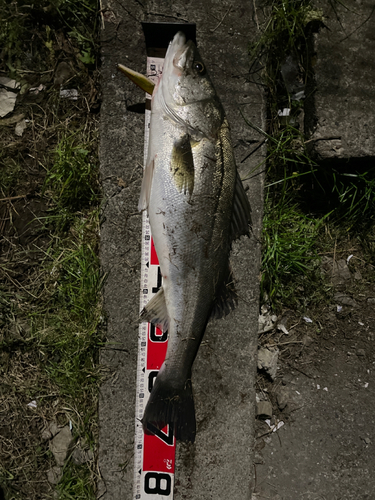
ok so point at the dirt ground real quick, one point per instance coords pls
(322, 396)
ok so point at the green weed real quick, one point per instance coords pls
(71, 182)
(289, 258)
(352, 192)
(76, 483)
(67, 325)
(289, 251)
(73, 178)
(22, 19)
(81, 19)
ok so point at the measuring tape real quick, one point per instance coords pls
(154, 455)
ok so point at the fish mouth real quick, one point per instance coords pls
(181, 52)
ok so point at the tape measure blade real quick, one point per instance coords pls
(154, 457)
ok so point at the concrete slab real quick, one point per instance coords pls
(340, 99)
(220, 463)
(325, 450)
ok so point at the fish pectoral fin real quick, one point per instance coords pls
(144, 198)
(226, 297)
(156, 311)
(241, 218)
(182, 165)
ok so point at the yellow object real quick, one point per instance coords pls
(139, 79)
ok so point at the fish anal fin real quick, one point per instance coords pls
(241, 217)
(226, 297)
(182, 165)
(144, 198)
(156, 311)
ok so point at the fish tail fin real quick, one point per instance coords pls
(171, 404)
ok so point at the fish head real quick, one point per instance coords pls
(187, 93)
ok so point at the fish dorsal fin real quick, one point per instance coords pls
(182, 165)
(156, 311)
(144, 198)
(226, 297)
(241, 217)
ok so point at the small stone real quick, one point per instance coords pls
(307, 340)
(50, 431)
(54, 475)
(60, 445)
(264, 409)
(367, 440)
(288, 378)
(371, 300)
(341, 272)
(345, 300)
(20, 128)
(267, 360)
(82, 455)
(282, 397)
(361, 352)
(63, 73)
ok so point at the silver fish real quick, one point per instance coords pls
(197, 206)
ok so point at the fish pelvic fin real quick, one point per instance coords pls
(173, 405)
(241, 218)
(148, 174)
(226, 297)
(156, 311)
(182, 165)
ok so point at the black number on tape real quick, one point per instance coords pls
(151, 380)
(155, 289)
(166, 438)
(161, 484)
(157, 338)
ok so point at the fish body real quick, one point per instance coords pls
(196, 206)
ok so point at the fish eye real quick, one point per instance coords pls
(198, 66)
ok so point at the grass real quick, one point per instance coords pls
(76, 484)
(50, 307)
(289, 251)
(58, 331)
(72, 181)
(66, 327)
(20, 20)
(73, 178)
(304, 200)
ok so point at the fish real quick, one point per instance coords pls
(197, 206)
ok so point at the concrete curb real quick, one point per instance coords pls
(339, 115)
(220, 464)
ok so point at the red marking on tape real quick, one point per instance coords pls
(154, 258)
(158, 456)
